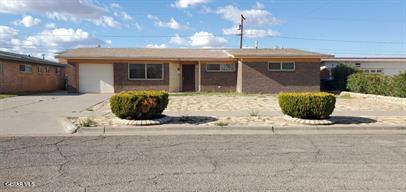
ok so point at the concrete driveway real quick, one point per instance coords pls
(41, 114)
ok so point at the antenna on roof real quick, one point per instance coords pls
(43, 56)
(256, 44)
(98, 46)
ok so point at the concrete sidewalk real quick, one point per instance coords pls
(41, 114)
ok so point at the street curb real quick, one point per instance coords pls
(274, 129)
(68, 126)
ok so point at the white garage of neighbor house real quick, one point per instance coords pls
(96, 78)
(378, 65)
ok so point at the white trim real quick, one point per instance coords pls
(280, 65)
(146, 78)
(220, 71)
(199, 85)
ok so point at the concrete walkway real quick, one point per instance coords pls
(41, 114)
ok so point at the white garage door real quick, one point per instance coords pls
(96, 78)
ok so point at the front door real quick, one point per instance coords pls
(188, 78)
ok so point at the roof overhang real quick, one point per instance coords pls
(31, 61)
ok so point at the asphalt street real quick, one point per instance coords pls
(204, 163)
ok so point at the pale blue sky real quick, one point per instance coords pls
(343, 28)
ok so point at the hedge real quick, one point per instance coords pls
(318, 105)
(139, 104)
(399, 84)
(378, 84)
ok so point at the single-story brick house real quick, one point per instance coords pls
(238, 70)
(24, 73)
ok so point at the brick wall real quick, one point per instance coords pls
(71, 77)
(257, 79)
(218, 81)
(122, 83)
(12, 80)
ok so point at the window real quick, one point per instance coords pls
(58, 70)
(281, 66)
(373, 70)
(154, 71)
(145, 71)
(358, 65)
(26, 68)
(220, 67)
(47, 69)
(1, 67)
(40, 69)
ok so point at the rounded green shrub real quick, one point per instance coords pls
(316, 105)
(139, 104)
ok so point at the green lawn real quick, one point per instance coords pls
(3, 96)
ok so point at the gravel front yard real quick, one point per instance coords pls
(263, 110)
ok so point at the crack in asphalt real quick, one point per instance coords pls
(210, 159)
(316, 148)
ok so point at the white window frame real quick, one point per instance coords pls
(280, 66)
(25, 67)
(220, 71)
(47, 69)
(58, 72)
(39, 69)
(146, 78)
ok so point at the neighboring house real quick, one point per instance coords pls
(22, 73)
(378, 65)
(107, 70)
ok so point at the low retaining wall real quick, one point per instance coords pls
(397, 100)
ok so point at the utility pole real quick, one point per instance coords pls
(242, 30)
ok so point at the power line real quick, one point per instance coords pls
(222, 35)
(333, 51)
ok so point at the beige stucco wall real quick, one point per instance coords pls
(174, 77)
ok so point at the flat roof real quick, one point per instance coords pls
(354, 59)
(184, 53)
(277, 52)
(26, 58)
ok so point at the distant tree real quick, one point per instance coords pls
(340, 75)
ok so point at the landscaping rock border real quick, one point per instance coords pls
(158, 121)
(309, 121)
(391, 99)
